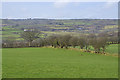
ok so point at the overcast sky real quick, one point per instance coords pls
(60, 10)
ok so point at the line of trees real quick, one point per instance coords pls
(98, 42)
(32, 39)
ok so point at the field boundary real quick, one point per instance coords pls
(60, 79)
(90, 51)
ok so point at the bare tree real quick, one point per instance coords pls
(30, 34)
(9, 42)
(99, 42)
(63, 40)
(81, 42)
(53, 40)
(73, 41)
(103, 41)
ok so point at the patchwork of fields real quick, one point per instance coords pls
(58, 63)
(13, 28)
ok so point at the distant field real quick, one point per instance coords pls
(57, 63)
(14, 27)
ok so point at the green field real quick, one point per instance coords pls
(112, 49)
(57, 63)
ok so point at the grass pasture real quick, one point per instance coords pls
(56, 63)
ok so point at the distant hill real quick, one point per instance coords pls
(14, 27)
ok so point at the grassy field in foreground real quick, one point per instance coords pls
(56, 63)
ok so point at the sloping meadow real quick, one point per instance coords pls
(57, 63)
